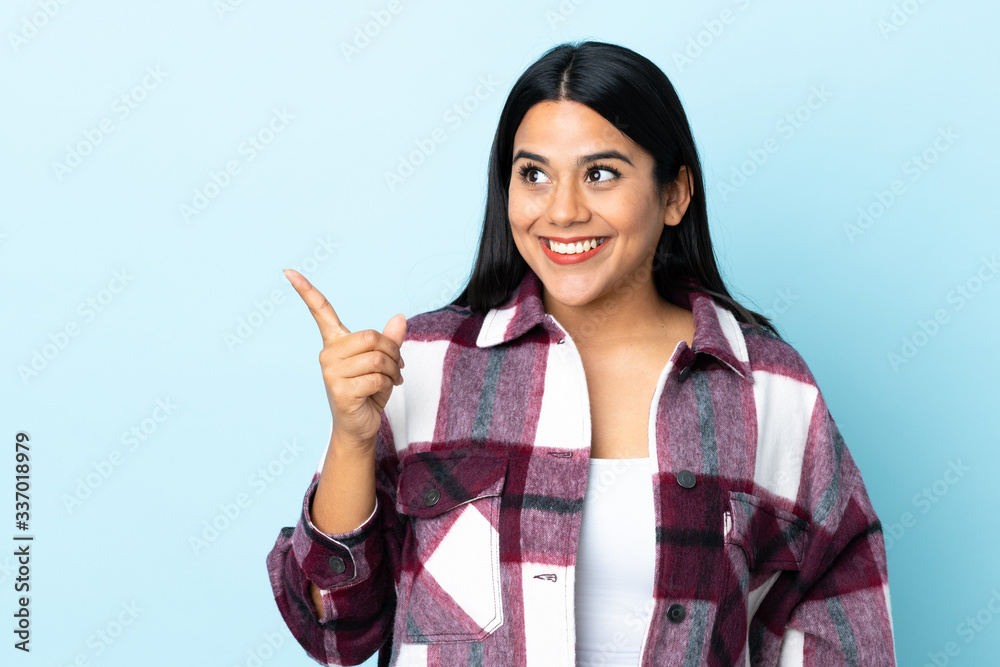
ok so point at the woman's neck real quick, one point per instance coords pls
(626, 317)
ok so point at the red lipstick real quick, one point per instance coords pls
(575, 258)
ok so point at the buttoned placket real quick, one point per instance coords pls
(685, 357)
(567, 349)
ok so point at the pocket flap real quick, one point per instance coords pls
(772, 537)
(434, 482)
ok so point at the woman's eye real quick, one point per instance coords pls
(610, 174)
(533, 176)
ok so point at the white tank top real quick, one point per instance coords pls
(614, 563)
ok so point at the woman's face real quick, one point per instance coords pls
(576, 178)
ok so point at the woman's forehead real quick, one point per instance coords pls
(569, 129)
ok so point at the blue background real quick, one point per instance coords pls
(896, 77)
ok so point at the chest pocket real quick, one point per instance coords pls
(772, 537)
(452, 499)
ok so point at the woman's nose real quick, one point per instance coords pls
(566, 205)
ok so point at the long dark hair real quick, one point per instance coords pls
(632, 93)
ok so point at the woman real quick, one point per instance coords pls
(599, 457)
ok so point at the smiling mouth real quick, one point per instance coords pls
(574, 247)
(573, 251)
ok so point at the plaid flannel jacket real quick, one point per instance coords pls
(768, 550)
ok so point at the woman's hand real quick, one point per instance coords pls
(359, 369)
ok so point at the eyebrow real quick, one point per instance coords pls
(603, 155)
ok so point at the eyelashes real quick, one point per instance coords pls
(529, 167)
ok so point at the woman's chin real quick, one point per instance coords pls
(570, 293)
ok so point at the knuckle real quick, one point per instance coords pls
(368, 337)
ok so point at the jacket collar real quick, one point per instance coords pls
(716, 330)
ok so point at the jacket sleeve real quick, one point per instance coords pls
(356, 572)
(842, 615)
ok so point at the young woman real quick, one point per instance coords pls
(598, 457)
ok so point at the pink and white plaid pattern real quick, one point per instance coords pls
(768, 549)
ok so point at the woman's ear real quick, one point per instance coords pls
(678, 197)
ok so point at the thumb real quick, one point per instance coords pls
(396, 328)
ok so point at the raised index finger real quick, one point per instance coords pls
(330, 326)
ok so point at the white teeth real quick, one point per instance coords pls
(574, 248)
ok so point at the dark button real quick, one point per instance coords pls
(684, 373)
(676, 613)
(686, 478)
(562, 340)
(431, 497)
(337, 564)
